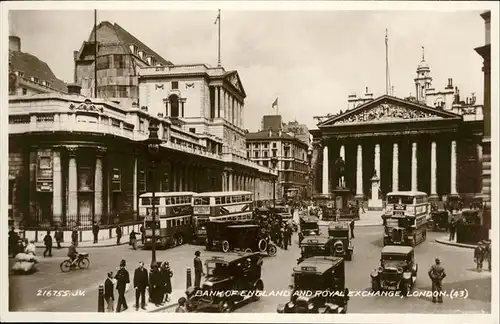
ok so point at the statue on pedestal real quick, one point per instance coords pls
(340, 172)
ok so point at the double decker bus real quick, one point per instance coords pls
(174, 218)
(405, 218)
(220, 205)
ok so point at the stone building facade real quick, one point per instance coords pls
(408, 143)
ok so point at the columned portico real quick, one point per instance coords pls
(433, 193)
(453, 168)
(395, 167)
(98, 185)
(414, 167)
(72, 182)
(359, 173)
(57, 193)
(326, 175)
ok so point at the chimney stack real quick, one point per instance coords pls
(270, 132)
(74, 89)
(14, 44)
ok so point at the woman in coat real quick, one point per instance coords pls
(166, 274)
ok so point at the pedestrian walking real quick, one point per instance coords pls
(437, 274)
(284, 231)
(155, 286)
(166, 274)
(198, 269)
(118, 234)
(58, 235)
(487, 253)
(141, 282)
(133, 240)
(352, 228)
(181, 308)
(109, 295)
(479, 256)
(452, 229)
(95, 231)
(13, 242)
(74, 237)
(141, 229)
(122, 283)
(47, 241)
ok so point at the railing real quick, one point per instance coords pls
(82, 222)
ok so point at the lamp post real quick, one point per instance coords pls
(274, 162)
(153, 146)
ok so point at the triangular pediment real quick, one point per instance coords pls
(234, 79)
(387, 109)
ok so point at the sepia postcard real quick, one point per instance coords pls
(249, 161)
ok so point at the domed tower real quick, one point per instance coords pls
(423, 80)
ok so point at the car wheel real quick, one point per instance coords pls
(225, 306)
(225, 246)
(258, 289)
(262, 245)
(248, 250)
(375, 285)
(406, 288)
(180, 239)
(271, 250)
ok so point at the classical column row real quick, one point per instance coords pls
(395, 168)
(228, 107)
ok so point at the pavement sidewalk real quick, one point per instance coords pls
(445, 239)
(370, 218)
(87, 244)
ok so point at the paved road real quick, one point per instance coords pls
(276, 275)
(368, 243)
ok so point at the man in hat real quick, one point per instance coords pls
(109, 296)
(141, 281)
(479, 256)
(122, 281)
(198, 269)
(487, 253)
(437, 274)
(95, 231)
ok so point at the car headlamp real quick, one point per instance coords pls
(400, 270)
(290, 305)
(380, 269)
(310, 306)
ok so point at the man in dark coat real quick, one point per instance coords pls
(13, 242)
(198, 269)
(118, 234)
(95, 231)
(59, 237)
(452, 229)
(479, 256)
(166, 274)
(437, 274)
(74, 237)
(47, 241)
(155, 285)
(142, 234)
(109, 295)
(122, 281)
(351, 224)
(141, 282)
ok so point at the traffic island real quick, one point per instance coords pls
(446, 241)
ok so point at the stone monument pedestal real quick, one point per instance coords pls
(375, 203)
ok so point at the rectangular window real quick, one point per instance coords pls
(103, 62)
(141, 126)
(274, 153)
(146, 201)
(256, 154)
(265, 145)
(116, 180)
(141, 181)
(119, 61)
(265, 154)
(274, 145)
(175, 85)
(192, 130)
(25, 91)
(86, 179)
(35, 79)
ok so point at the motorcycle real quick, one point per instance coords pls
(82, 262)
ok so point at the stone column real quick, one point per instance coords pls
(326, 176)
(414, 165)
(453, 168)
(135, 191)
(99, 184)
(342, 152)
(226, 108)
(479, 164)
(230, 182)
(377, 159)
(72, 183)
(216, 103)
(167, 105)
(359, 173)
(57, 187)
(395, 167)
(433, 170)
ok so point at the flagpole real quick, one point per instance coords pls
(219, 63)
(95, 53)
(386, 64)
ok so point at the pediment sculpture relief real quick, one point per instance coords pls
(386, 112)
(86, 106)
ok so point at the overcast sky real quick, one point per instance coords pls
(311, 60)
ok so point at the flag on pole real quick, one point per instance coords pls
(386, 39)
(275, 103)
(217, 19)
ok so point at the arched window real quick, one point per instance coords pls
(174, 105)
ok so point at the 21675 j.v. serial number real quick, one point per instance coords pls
(59, 293)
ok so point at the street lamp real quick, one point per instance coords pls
(153, 146)
(274, 162)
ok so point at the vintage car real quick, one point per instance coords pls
(229, 281)
(308, 225)
(315, 245)
(439, 220)
(286, 216)
(248, 238)
(318, 286)
(217, 232)
(341, 234)
(397, 271)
